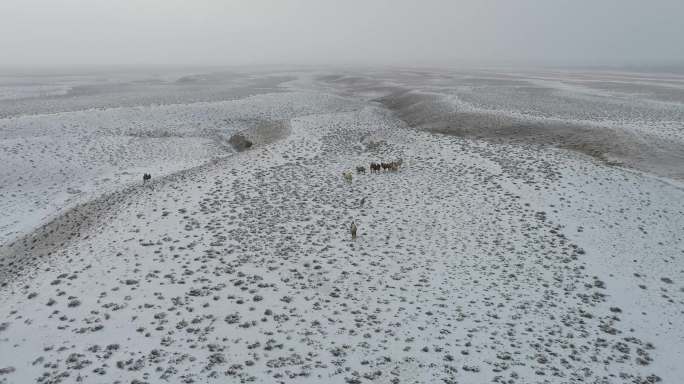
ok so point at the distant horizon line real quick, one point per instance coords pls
(674, 66)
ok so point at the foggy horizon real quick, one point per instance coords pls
(39, 34)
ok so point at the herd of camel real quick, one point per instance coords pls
(375, 167)
(381, 166)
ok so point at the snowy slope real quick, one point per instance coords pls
(475, 262)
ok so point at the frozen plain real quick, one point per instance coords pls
(488, 257)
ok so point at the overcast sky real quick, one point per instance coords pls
(43, 33)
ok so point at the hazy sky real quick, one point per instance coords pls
(40, 33)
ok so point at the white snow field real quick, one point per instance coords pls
(481, 259)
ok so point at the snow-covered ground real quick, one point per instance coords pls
(631, 119)
(53, 161)
(475, 261)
